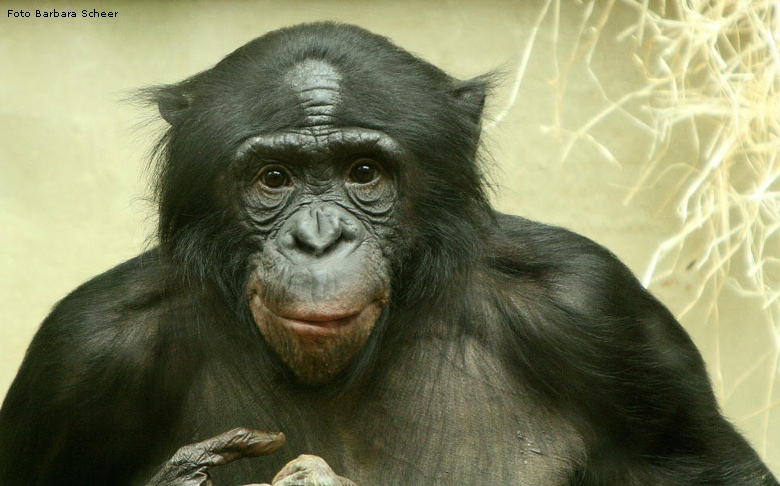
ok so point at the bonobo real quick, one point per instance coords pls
(330, 274)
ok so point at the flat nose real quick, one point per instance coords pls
(314, 232)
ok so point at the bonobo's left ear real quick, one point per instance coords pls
(472, 94)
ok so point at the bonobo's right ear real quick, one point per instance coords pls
(173, 102)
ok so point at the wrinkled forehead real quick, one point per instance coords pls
(317, 87)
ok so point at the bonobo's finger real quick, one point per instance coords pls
(190, 464)
(227, 447)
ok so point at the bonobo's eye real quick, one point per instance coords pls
(274, 177)
(364, 171)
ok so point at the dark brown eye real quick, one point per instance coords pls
(274, 177)
(364, 171)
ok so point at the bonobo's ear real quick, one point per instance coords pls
(472, 94)
(173, 102)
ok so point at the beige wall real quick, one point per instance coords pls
(72, 196)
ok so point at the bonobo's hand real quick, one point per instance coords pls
(189, 465)
(308, 470)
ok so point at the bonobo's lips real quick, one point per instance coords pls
(317, 321)
(324, 324)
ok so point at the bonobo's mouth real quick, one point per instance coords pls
(321, 322)
(317, 318)
(317, 341)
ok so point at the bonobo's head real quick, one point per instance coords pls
(312, 172)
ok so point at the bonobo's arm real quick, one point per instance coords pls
(606, 353)
(94, 398)
(659, 416)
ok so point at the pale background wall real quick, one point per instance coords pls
(73, 201)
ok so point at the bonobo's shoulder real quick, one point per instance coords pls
(571, 268)
(113, 310)
(540, 244)
(132, 286)
(103, 337)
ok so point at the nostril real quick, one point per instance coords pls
(317, 231)
(349, 229)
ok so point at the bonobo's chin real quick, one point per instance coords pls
(317, 340)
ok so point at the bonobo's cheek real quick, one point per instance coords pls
(318, 317)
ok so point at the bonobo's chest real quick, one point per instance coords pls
(460, 419)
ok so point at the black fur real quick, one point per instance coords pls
(509, 352)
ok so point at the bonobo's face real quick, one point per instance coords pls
(320, 200)
(352, 160)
